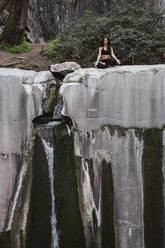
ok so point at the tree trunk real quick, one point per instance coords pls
(3, 5)
(14, 29)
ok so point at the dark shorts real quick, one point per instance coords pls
(108, 63)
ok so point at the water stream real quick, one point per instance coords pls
(50, 158)
(57, 109)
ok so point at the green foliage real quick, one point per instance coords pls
(137, 36)
(74, 3)
(22, 48)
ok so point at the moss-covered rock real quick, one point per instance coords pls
(108, 233)
(66, 193)
(39, 227)
(4, 239)
(153, 189)
(51, 98)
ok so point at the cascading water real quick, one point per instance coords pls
(57, 109)
(109, 180)
(50, 159)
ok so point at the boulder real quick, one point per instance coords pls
(61, 70)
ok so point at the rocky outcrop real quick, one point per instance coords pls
(94, 182)
(23, 96)
(111, 96)
(62, 69)
(34, 158)
(54, 216)
(119, 119)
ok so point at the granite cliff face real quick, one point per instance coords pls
(112, 96)
(119, 119)
(94, 179)
(23, 96)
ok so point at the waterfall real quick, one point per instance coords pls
(57, 109)
(50, 158)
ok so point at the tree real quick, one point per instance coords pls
(13, 32)
(3, 5)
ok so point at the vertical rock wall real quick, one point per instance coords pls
(121, 155)
(108, 170)
(69, 229)
(119, 147)
(21, 96)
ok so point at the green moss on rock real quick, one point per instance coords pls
(74, 3)
(5, 238)
(51, 99)
(39, 224)
(107, 209)
(153, 189)
(66, 192)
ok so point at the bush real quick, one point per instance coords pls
(22, 48)
(137, 36)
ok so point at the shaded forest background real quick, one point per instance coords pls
(72, 29)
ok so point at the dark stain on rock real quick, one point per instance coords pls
(66, 191)
(107, 206)
(153, 189)
(4, 239)
(39, 228)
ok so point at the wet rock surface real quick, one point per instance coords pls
(107, 158)
(119, 120)
(22, 94)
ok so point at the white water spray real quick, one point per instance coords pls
(50, 158)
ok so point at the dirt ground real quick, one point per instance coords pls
(32, 60)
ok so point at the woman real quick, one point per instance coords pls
(106, 54)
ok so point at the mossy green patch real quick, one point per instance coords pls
(22, 48)
(74, 3)
(49, 103)
(5, 238)
(39, 227)
(107, 209)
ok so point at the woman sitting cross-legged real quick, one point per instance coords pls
(106, 56)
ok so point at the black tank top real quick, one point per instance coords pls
(105, 52)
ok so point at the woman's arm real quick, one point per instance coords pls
(113, 55)
(99, 56)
